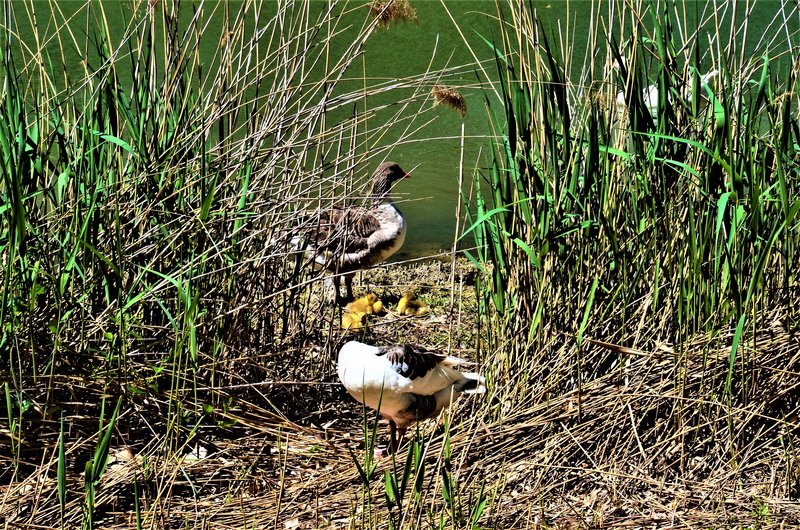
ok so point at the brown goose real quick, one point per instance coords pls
(406, 384)
(343, 240)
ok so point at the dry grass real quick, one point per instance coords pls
(222, 347)
(449, 97)
(387, 12)
(629, 450)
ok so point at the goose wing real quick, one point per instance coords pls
(406, 383)
(409, 362)
(346, 230)
(421, 371)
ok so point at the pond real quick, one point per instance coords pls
(439, 141)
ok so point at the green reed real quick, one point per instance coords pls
(604, 212)
(140, 188)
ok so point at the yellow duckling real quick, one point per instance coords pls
(410, 306)
(377, 307)
(354, 321)
(367, 304)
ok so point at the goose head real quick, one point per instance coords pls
(384, 178)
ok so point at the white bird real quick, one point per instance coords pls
(343, 240)
(405, 384)
(651, 93)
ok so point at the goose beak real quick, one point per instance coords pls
(408, 173)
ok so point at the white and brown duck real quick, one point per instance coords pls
(405, 384)
(343, 240)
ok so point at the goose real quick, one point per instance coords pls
(650, 95)
(343, 240)
(404, 383)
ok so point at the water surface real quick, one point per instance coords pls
(434, 43)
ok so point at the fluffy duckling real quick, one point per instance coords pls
(354, 321)
(410, 306)
(368, 304)
(377, 307)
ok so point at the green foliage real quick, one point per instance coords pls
(657, 203)
(61, 474)
(637, 235)
(96, 467)
(407, 487)
(142, 186)
(397, 482)
(140, 194)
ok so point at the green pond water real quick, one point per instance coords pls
(430, 199)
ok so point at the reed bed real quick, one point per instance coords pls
(548, 464)
(631, 294)
(646, 216)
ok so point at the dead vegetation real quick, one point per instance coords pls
(449, 97)
(387, 12)
(220, 349)
(627, 450)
